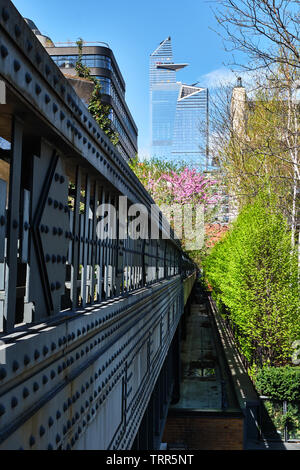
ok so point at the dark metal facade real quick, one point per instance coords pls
(85, 323)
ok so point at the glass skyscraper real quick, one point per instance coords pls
(179, 112)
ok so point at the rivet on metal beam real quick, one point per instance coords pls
(17, 30)
(38, 58)
(5, 14)
(26, 360)
(28, 78)
(36, 354)
(50, 422)
(14, 402)
(45, 379)
(29, 46)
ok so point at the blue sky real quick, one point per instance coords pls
(133, 29)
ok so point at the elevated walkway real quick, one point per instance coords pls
(207, 416)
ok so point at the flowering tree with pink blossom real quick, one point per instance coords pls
(169, 183)
(186, 187)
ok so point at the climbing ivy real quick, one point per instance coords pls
(97, 108)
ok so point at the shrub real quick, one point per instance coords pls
(280, 383)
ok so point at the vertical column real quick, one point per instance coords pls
(143, 432)
(75, 254)
(175, 351)
(3, 187)
(100, 267)
(151, 423)
(144, 264)
(94, 244)
(85, 242)
(11, 267)
(119, 254)
(157, 400)
(107, 250)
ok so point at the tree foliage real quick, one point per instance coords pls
(174, 183)
(169, 182)
(266, 34)
(266, 31)
(253, 273)
(279, 383)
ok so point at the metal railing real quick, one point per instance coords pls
(279, 420)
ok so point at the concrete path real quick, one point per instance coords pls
(201, 379)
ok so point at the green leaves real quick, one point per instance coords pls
(101, 112)
(281, 383)
(254, 274)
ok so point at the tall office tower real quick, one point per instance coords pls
(179, 112)
(103, 65)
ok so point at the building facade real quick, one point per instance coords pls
(103, 65)
(179, 112)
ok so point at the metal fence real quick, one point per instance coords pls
(279, 420)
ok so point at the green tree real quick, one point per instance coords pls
(253, 274)
(266, 35)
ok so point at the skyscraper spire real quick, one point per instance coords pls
(177, 111)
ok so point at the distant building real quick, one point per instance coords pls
(45, 40)
(179, 112)
(238, 109)
(103, 65)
